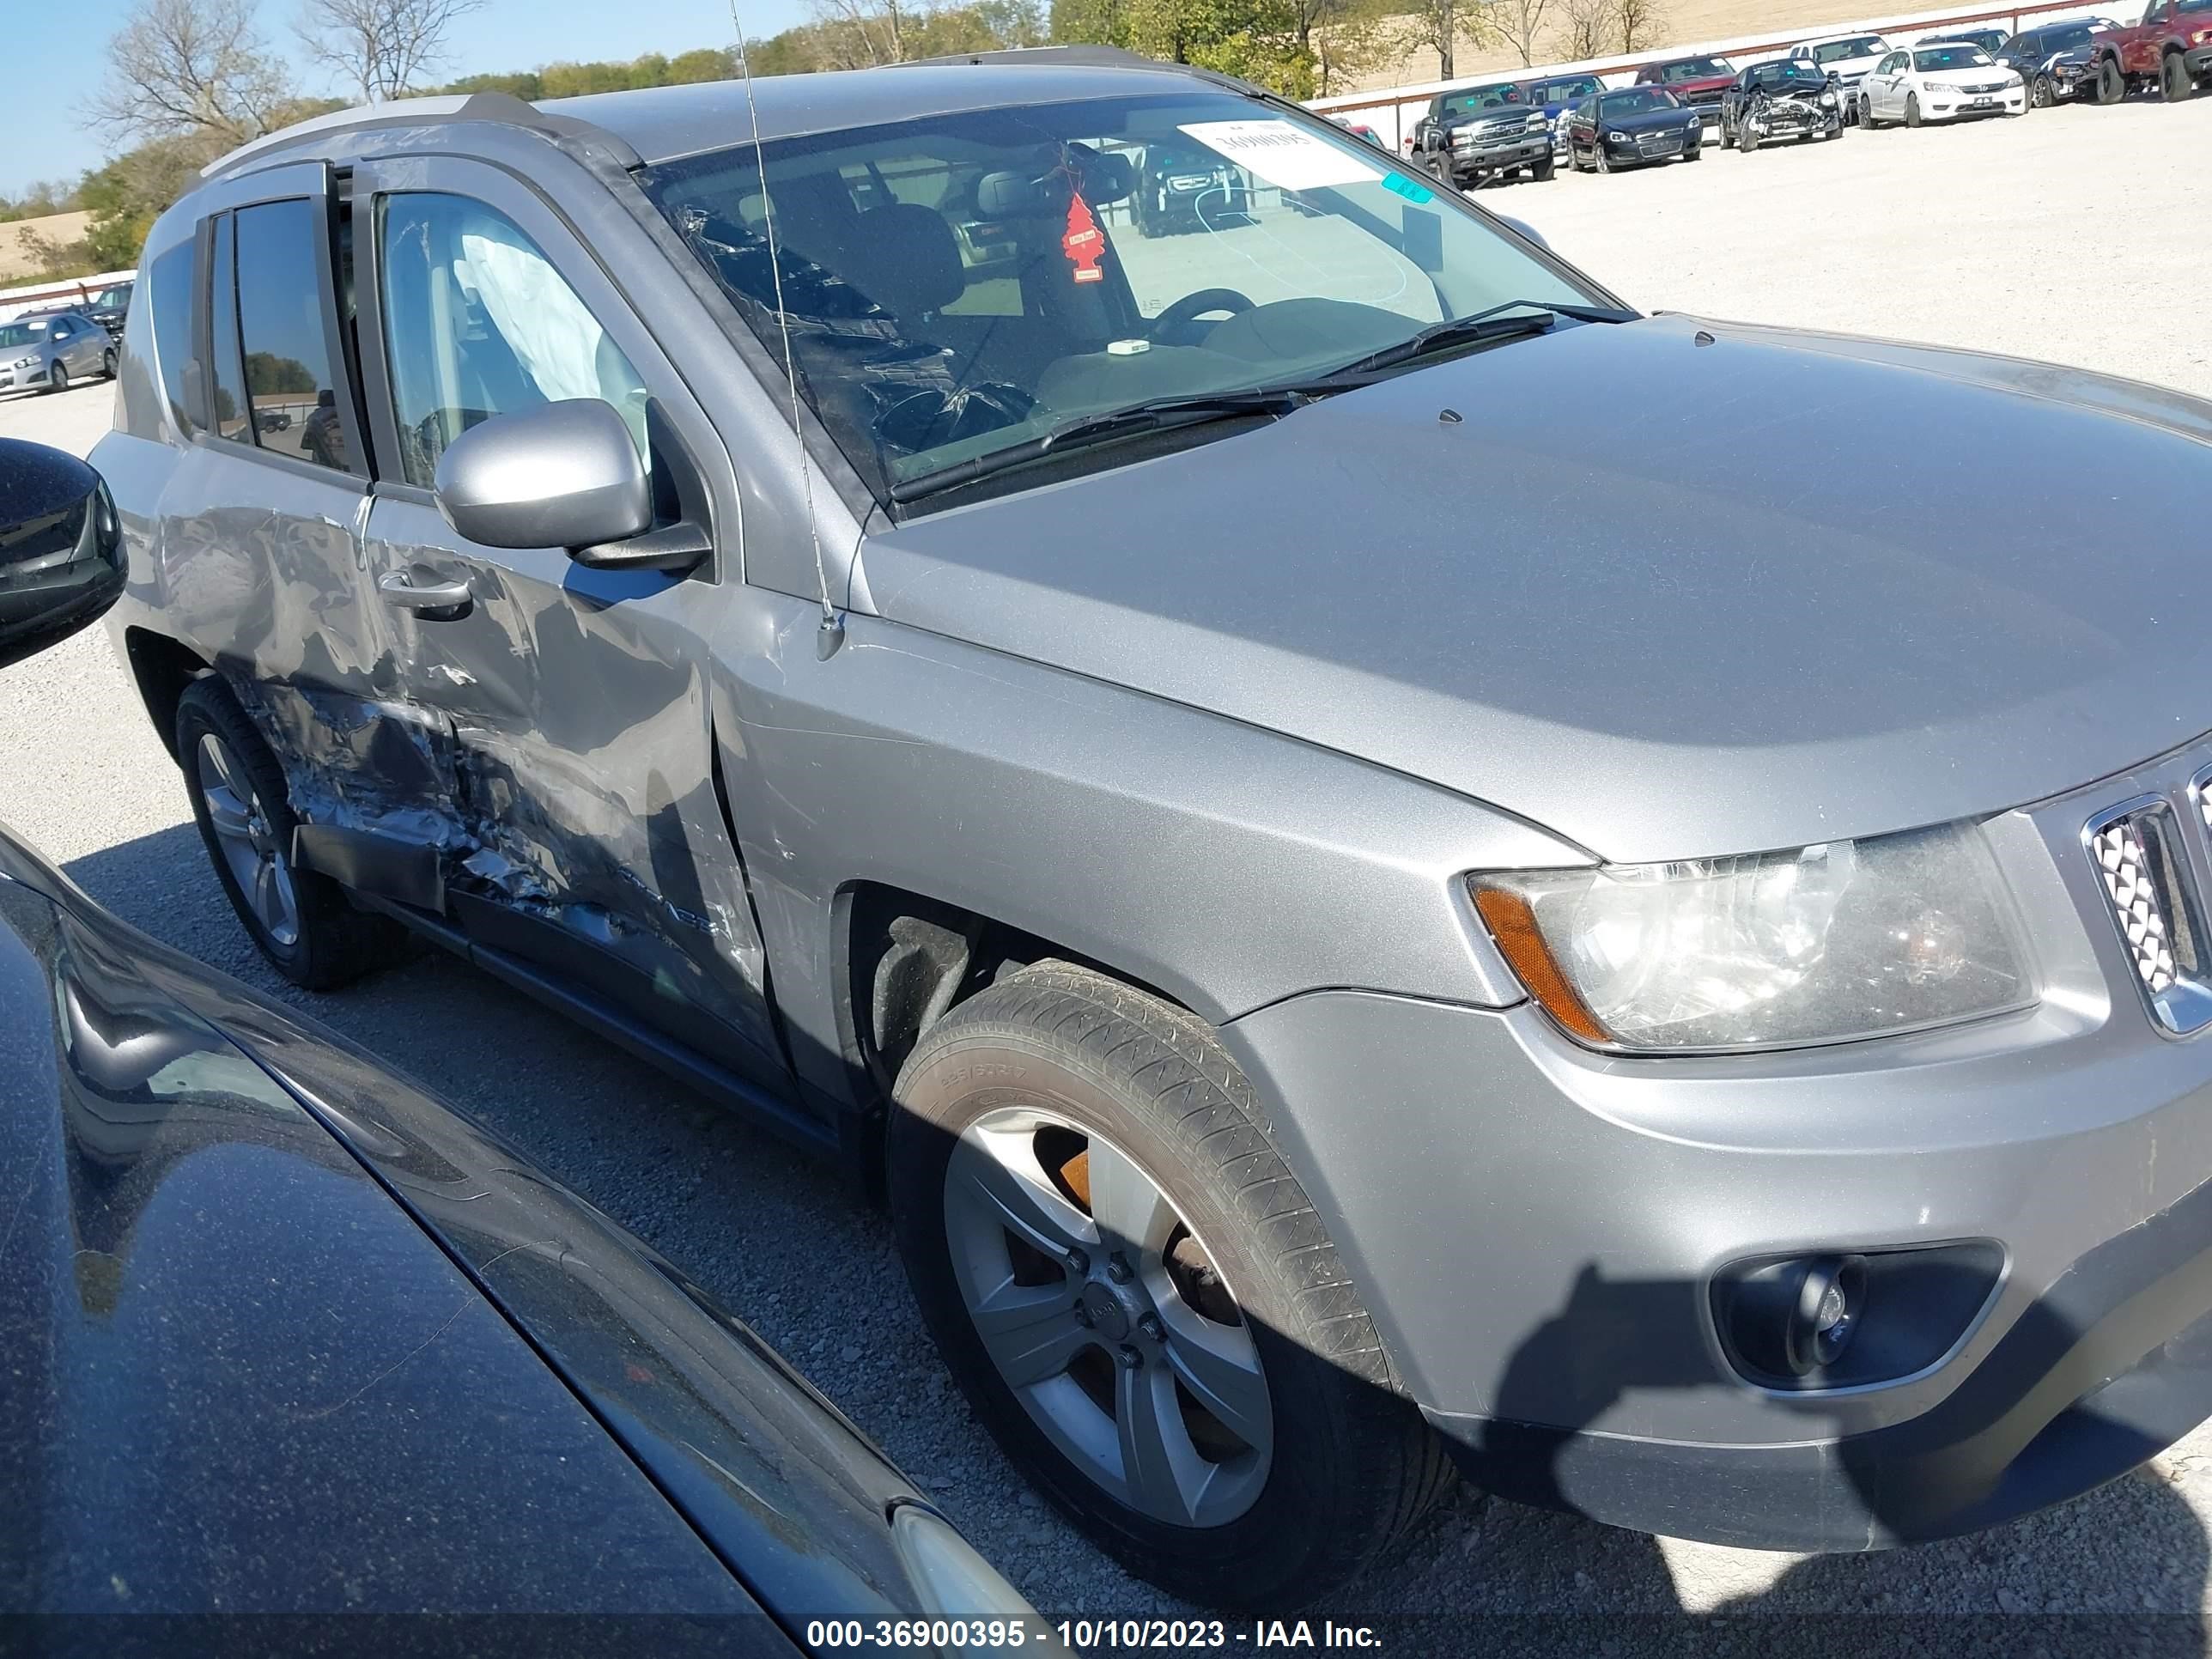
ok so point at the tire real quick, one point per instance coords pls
(1697, 155)
(1913, 109)
(2111, 85)
(1126, 1083)
(1866, 112)
(1541, 171)
(1600, 161)
(108, 364)
(1746, 139)
(2174, 84)
(327, 942)
(2041, 94)
(57, 380)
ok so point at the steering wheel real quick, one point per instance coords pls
(1192, 306)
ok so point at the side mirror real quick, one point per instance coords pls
(62, 562)
(1527, 230)
(563, 475)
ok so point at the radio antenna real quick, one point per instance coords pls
(830, 634)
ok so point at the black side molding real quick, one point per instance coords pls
(366, 863)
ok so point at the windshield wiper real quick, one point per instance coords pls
(1490, 324)
(1195, 408)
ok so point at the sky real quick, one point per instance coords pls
(56, 54)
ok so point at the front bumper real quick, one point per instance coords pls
(2198, 61)
(1522, 152)
(13, 380)
(1536, 1229)
(2012, 102)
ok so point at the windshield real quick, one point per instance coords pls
(21, 334)
(1564, 92)
(962, 283)
(2065, 40)
(1637, 100)
(1694, 69)
(1951, 58)
(1463, 103)
(1837, 51)
(1791, 77)
(113, 298)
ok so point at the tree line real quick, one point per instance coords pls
(187, 80)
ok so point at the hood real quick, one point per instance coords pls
(1981, 75)
(1751, 596)
(1649, 120)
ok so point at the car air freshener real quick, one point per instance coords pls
(1083, 244)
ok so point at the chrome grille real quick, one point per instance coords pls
(2137, 905)
(2143, 873)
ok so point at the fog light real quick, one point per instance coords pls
(1793, 1319)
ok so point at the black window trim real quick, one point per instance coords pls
(358, 470)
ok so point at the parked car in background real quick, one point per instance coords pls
(1845, 59)
(1938, 83)
(1698, 81)
(1636, 126)
(1783, 97)
(1557, 98)
(1184, 186)
(1486, 133)
(2056, 62)
(110, 306)
(2169, 47)
(43, 351)
(1991, 42)
(1360, 129)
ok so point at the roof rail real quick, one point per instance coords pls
(1088, 57)
(502, 107)
(1072, 57)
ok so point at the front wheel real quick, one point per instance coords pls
(2041, 94)
(1865, 112)
(1746, 139)
(57, 377)
(2174, 83)
(108, 364)
(1140, 1300)
(1913, 109)
(1602, 160)
(1542, 170)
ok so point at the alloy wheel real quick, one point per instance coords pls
(1106, 1316)
(57, 376)
(258, 864)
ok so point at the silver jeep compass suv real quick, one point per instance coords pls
(1356, 912)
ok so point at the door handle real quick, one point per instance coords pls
(428, 596)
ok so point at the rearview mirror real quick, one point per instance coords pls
(61, 564)
(563, 475)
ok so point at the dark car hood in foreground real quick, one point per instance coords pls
(1668, 599)
(1648, 120)
(239, 1377)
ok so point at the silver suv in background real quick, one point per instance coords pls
(45, 350)
(1362, 922)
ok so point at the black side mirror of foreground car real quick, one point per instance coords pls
(61, 564)
(565, 475)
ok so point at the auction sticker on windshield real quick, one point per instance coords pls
(1282, 155)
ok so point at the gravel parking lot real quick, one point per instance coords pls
(2077, 235)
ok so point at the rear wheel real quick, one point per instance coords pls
(301, 921)
(2174, 83)
(1137, 1296)
(2111, 85)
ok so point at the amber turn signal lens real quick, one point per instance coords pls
(1513, 924)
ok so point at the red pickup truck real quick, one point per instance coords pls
(2170, 48)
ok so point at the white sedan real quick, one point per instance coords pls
(1940, 82)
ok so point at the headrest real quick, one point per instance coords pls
(908, 259)
(1104, 177)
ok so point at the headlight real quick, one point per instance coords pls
(1827, 101)
(1822, 944)
(1616, 138)
(28, 361)
(954, 1582)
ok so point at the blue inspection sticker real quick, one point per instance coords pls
(1400, 184)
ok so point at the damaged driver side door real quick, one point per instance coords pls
(584, 829)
